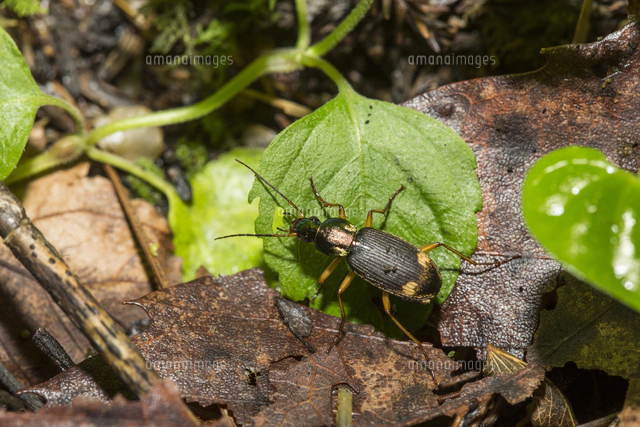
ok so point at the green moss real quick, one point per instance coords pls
(141, 188)
(23, 8)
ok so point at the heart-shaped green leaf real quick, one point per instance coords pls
(359, 152)
(584, 211)
(20, 98)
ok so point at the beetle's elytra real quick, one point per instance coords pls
(386, 261)
(400, 268)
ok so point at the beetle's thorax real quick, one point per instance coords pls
(335, 236)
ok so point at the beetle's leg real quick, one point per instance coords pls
(432, 246)
(386, 303)
(325, 275)
(326, 204)
(492, 265)
(382, 211)
(343, 287)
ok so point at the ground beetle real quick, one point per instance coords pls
(386, 261)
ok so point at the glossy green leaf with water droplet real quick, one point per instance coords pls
(584, 211)
(359, 152)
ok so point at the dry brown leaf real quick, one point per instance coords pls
(477, 393)
(81, 381)
(500, 362)
(162, 406)
(550, 407)
(82, 218)
(587, 95)
(515, 381)
(630, 414)
(223, 341)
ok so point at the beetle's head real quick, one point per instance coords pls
(305, 228)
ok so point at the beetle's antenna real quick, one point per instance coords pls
(272, 186)
(257, 235)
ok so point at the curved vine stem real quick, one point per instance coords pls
(331, 72)
(304, 35)
(336, 36)
(132, 169)
(73, 111)
(281, 60)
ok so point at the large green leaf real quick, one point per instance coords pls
(359, 152)
(219, 208)
(584, 211)
(20, 98)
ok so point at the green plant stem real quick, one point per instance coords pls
(329, 70)
(77, 116)
(281, 60)
(130, 168)
(63, 151)
(336, 36)
(304, 35)
(582, 28)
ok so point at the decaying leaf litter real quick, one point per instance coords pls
(503, 168)
(81, 217)
(509, 122)
(164, 403)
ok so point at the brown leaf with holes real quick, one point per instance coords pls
(81, 216)
(504, 374)
(478, 393)
(161, 406)
(223, 341)
(501, 362)
(586, 95)
(549, 408)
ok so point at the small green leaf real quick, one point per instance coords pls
(23, 8)
(359, 152)
(20, 98)
(219, 208)
(584, 211)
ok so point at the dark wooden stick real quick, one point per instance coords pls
(46, 343)
(45, 264)
(12, 384)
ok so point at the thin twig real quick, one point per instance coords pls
(12, 384)
(46, 343)
(158, 272)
